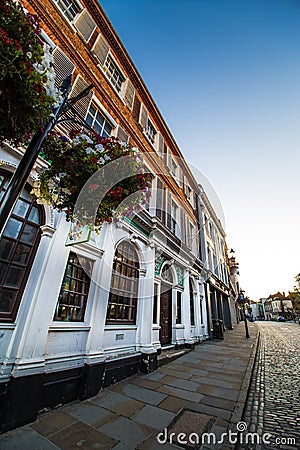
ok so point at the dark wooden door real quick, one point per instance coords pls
(166, 317)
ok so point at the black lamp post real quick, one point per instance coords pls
(29, 158)
(242, 301)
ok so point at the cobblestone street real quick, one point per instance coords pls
(273, 404)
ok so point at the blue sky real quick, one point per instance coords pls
(225, 75)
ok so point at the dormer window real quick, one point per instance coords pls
(113, 73)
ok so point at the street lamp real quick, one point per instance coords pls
(242, 301)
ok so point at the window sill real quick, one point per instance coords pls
(7, 326)
(69, 326)
(120, 326)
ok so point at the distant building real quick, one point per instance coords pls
(257, 312)
(277, 305)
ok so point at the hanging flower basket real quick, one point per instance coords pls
(108, 176)
(26, 74)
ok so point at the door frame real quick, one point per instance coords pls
(166, 289)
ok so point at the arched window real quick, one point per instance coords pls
(122, 302)
(17, 249)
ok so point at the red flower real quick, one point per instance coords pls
(74, 133)
(93, 186)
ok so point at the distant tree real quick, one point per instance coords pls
(295, 294)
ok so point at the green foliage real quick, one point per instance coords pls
(74, 162)
(24, 102)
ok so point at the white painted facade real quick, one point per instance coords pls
(35, 343)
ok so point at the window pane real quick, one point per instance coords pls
(3, 267)
(13, 228)
(34, 215)
(7, 298)
(21, 253)
(21, 208)
(26, 196)
(6, 247)
(28, 234)
(14, 277)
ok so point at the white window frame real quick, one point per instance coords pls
(173, 168)
(64, 11)
(110, 79)
(108, 117)
(148, 131)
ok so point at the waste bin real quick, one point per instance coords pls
(218, 330)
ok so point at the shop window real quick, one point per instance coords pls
(17, 249)
(122, 303)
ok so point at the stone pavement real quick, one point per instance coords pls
(273, 404)
(202, 391)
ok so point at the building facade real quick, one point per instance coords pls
(279, 305)
(74, 319)
(219, 295)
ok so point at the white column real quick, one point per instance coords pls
(103, 272)
(145, 301)
(186, 312)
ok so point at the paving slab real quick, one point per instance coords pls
(181, 393)
(88, 413)
(154, 417)
(215, 382)
(144, 395)
(80, 435)
(148, 384)
(174, 404)
(155, 376)
(26, 438)
(175, 373)
(218, 402)
(125, 431)
(52, 422)
(208, 389)
(117, 403)
(180, 383)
